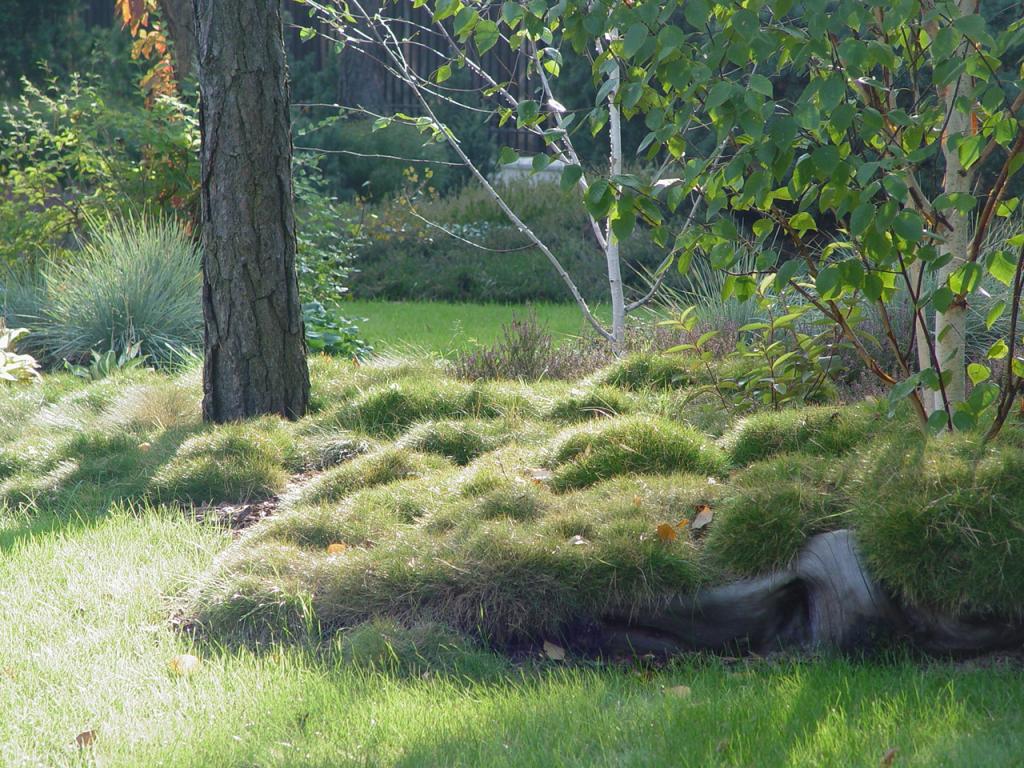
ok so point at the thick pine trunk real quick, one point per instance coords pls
(180, 22)
(255, 348)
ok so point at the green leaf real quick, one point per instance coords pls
(969, 150)
(571, 176)
(485, 36)
(998, 350)
(994, 314)
(978, 373)
(828, 282)
(443, 73)
(966, 279)
(635, 38)
(507, 156)
(937, 422)
(803, 222)
(1002, 265)
(909, 225)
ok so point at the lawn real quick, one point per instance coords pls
(440, 327)
(101, 561)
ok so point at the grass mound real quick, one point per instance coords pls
(644, 445)
(768, 511)
(460, 441)
(233, 462)
(819, 430)
(513, 561)
(378, 468)
(590, 403)
(942, 522)
(650, 371)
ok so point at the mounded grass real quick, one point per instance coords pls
(460, 441)
(643, 445)
(942, 522)
(768, 510)
(826, 431)
(234, 462)
(596, 402)
(643, 370)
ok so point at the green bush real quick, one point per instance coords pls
(135, 281)
(629, 445)
(404, 259)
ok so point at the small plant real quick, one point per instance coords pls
(523, 352)
(105, 363)
(332, 334)
(15, 367)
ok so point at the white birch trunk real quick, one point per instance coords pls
(611, 250)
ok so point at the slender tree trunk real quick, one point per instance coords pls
(951, 325)
(255, 346)
(612, 242)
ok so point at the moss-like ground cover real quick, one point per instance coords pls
(421, 521)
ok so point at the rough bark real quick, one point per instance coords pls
(181, 29)
(255, 346)
(825, 600)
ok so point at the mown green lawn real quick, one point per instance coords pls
(85, 644)
(404, 326)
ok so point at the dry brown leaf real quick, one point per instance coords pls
(638, 500)
(705, 514)
(888, 758)
(666, 532)
(554, 652)
(683, 523)
(85, 738)
(184, 664)
(680, 691)
(336, 548)
(145, 447)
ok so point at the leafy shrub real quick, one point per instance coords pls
(404, 259)
(13, 366)
(631, 445)
(103, 365)
(135, 282)
(70, 154)
(332, 334)
(821, 430)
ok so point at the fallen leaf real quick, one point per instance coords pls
(888, 757)
(184, 664)
(554, 652)
(666, 532)
(577, 540)
(680, 691)
(683, 523)
(705, 514)
(638, 500)
(336, 548)
(85, 738)
(145, 446)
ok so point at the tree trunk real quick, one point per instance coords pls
(951, 325)
(612, 257)
(255, 346)
(181, 29)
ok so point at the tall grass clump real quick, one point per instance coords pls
(134, 281)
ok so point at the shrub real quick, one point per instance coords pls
(631, 445)
(233, 463)
(942, 522)
(822, 431)
(768, 511)
(13, 366)
(135, 282)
